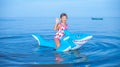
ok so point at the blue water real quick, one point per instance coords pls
(19, 48)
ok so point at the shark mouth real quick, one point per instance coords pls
(82, 41)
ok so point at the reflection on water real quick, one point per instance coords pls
(73, 56)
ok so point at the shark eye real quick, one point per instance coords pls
(78, 36)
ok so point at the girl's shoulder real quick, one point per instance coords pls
(59, 24)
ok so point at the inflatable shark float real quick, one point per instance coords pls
(68, 42)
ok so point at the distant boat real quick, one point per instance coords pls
(96, 18)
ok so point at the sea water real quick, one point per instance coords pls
(19, 48)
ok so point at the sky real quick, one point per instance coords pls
(53, 8)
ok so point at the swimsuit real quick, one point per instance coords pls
(60, 32)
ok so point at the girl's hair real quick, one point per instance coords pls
(63, 14)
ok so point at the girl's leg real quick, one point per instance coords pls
(57, 41)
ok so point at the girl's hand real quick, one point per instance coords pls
(56, 25)
(57, 20)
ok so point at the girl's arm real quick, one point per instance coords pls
(56, 27)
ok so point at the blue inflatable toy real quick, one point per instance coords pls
(67, 43)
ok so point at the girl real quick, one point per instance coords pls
(60, 26)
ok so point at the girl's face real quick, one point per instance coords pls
(63, 19)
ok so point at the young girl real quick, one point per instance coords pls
(60, 26)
